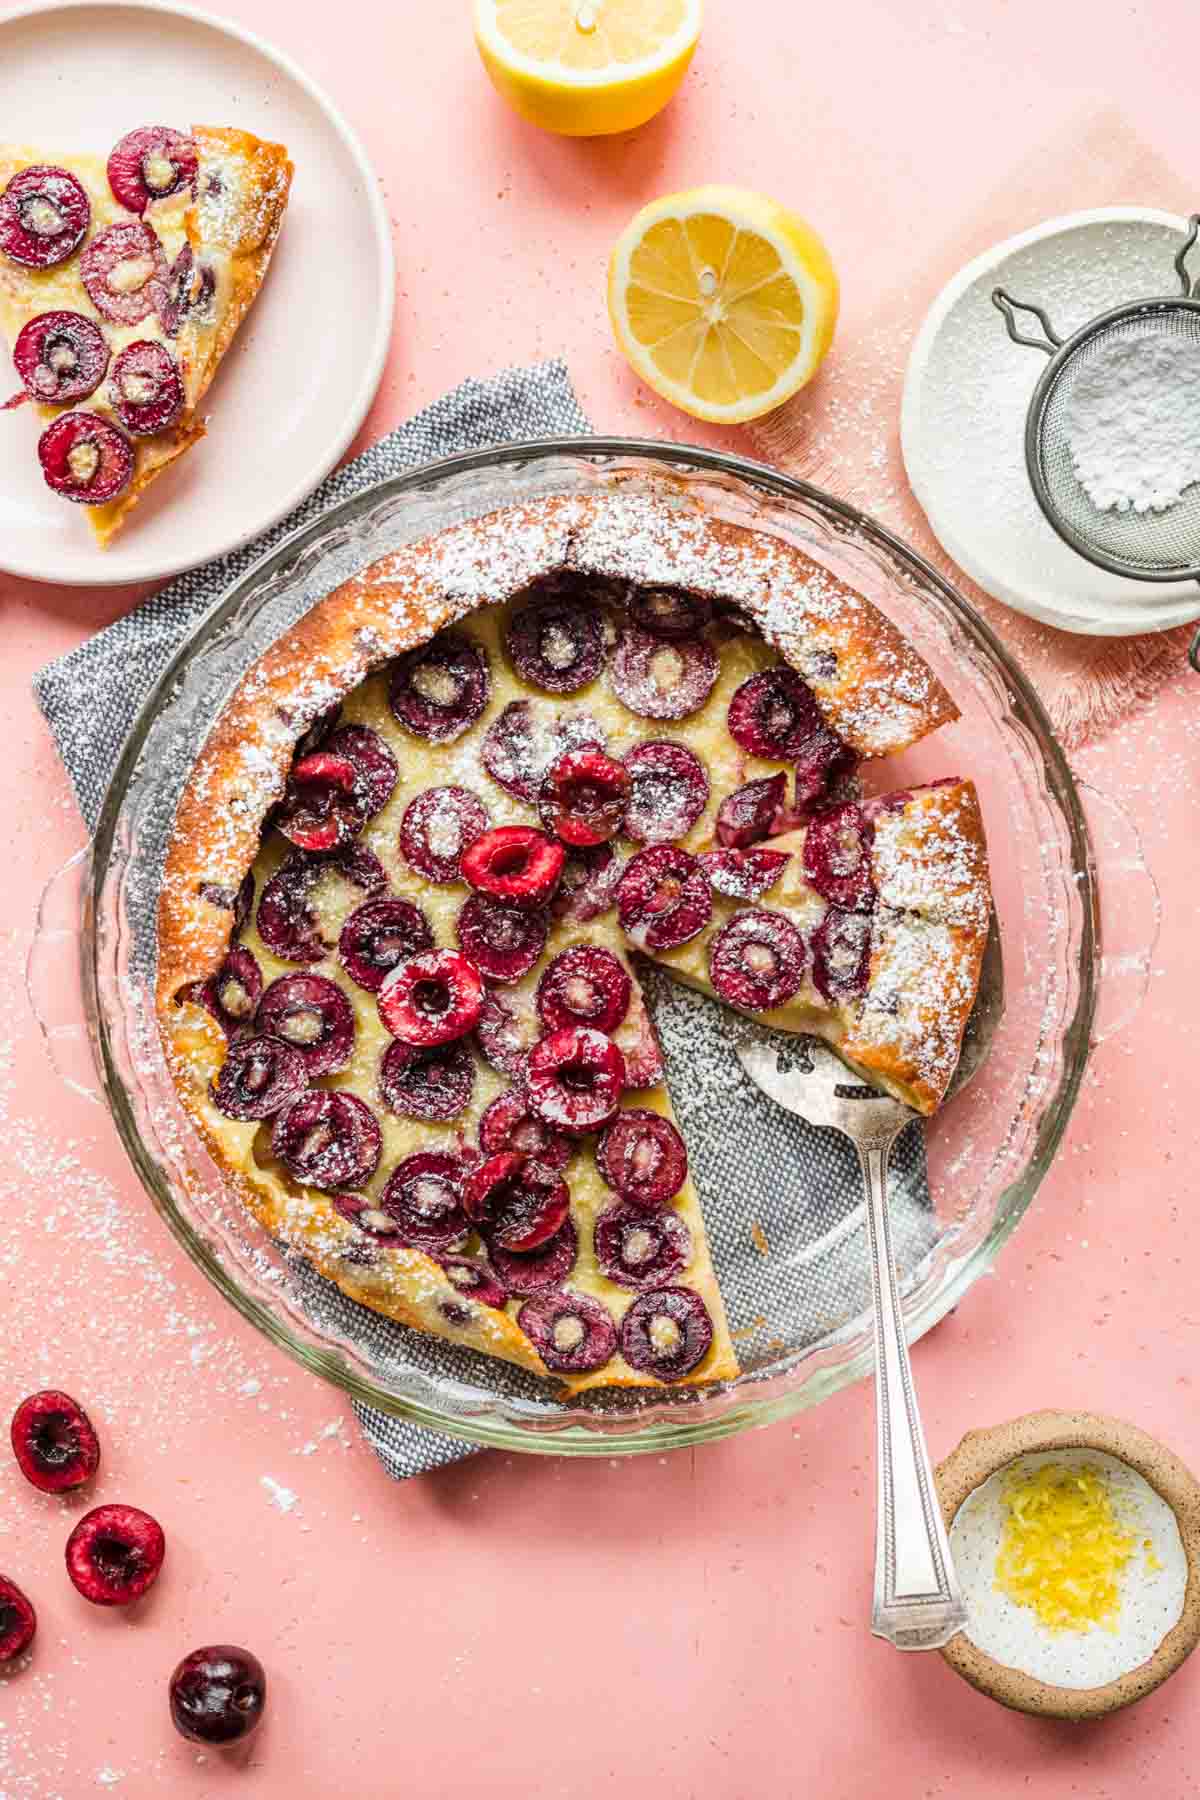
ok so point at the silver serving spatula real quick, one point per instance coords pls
(917, 1604)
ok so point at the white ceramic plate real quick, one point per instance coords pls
(302, 371)
(966, 394)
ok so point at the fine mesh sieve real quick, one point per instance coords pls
(1144, 546)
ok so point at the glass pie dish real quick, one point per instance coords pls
(800, 1335)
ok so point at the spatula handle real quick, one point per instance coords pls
(918, 1604)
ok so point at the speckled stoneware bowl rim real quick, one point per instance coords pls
(980, 1454)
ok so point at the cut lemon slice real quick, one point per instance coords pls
(723, 301)
(587, 67)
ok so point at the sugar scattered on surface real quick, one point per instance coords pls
(281, 1497)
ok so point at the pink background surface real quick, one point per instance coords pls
(688, 1625)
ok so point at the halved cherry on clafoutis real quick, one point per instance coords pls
(287, 922)
(324, 807)
(376, 765)
(841, 953)
(570, 1332)
(434, 1083)
(575, 1078)
(757, 961)
(44, 216)
(669, 612)
(514, 862)
(149, 164)
(556, 644)
(506, 1031)
(424, 1200)
(669, 793)
(378, 936)
(146, 389)
(837, 857)
(503, 940)
(666, 1333)
(125, 272)
(642, 1157)
(663, 679)
(440, 689)
(528, 736)
(233, 993)
(85, 458)
(751, 811)
(664, 898)
(586, 985)
(773, 713)
(473, 1277)
(59, 357)
(432, 998)
(531, 1271)
(438, 826)
(517, 1202)
(260, 1076)
(311, 1014)
(328, 1138)
(744, 874)
(640, 1248)
(510, 1123)
(583, 797)
(54, 1442)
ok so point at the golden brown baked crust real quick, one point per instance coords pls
(232, 224)
(879, 694)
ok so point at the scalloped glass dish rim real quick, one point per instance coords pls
(817, 1371)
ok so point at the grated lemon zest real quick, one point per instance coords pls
(1063, 1548)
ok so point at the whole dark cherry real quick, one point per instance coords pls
(217, 1694)
(54, 1442)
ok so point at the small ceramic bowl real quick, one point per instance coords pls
(1005, 1652)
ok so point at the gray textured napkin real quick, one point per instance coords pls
(783, 1204)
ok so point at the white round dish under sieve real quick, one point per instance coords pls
(966, 395)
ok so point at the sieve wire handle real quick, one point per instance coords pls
(1189, 288)
(917, 1603)
(1003, 301)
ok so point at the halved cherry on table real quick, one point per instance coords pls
(54, 1442)
(114, 1554)
(59, 357)
(85, 458)
(44, 216)
(149, 164)
(18, 1621)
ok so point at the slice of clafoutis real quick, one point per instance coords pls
(119, 300)
(870, 936)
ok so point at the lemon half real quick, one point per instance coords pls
(587, 67)
(723, 301)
